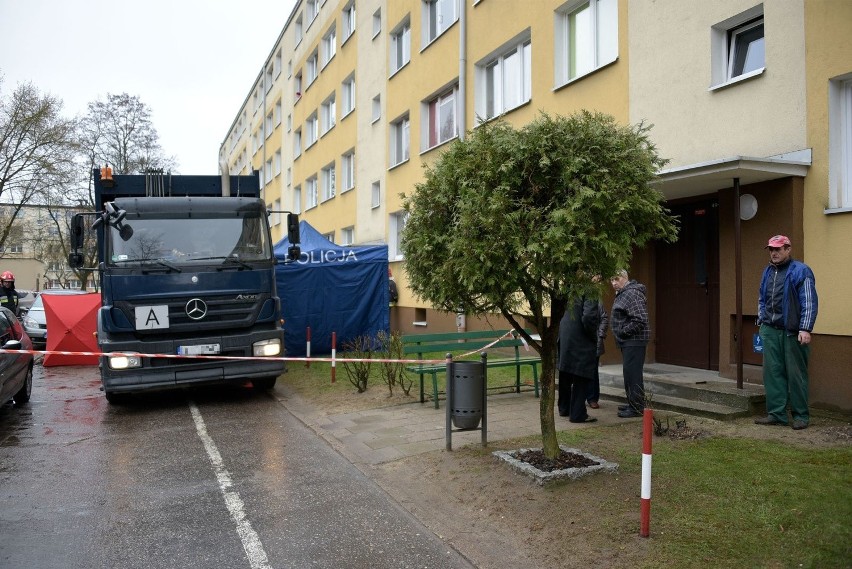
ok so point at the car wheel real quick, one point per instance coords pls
(264, 383)
(23, 394)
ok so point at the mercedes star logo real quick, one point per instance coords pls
(196, 309)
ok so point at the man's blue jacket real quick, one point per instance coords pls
(799, 301)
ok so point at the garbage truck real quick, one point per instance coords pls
(187, 280)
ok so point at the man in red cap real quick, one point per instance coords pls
(787, 310)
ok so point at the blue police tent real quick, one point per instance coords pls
(331, 288)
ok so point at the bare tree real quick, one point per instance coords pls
(36, 149)
(119, 132)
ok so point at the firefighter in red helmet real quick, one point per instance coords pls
(8, 294)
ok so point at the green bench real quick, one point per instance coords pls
(476, 342)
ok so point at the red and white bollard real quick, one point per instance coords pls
(647, 432)
(308, 347)
(333, 355)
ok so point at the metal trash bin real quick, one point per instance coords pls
(466, 400)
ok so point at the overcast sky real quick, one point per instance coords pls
(193, 62)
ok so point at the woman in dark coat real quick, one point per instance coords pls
(578, 358)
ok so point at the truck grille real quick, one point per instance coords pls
(222, 311)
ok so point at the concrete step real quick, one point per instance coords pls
(682, 405)
(694, 392)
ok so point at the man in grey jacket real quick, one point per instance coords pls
(632, 332)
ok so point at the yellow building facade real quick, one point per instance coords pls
(356, 96)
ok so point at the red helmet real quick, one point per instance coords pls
(7, 276)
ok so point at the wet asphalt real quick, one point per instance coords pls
(202, 478)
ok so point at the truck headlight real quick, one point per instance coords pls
(124, 362)
(266, 348)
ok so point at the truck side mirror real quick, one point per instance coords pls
(75, 260)
(78, 229)
(293, 229)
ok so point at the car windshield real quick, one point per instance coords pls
(169, 243)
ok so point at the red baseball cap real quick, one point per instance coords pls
(778, 241)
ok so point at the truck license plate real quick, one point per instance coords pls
(199, 350)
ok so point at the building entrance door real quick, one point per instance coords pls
(687, 289)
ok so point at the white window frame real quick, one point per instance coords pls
(268, 124)
(376, 194)
(438, 16)
(276, 163)
(328, 178)
(347, 235)
(299, 29)
(311, 130)
(328, 114)
(347, 171)
(444, 106)
(601, 38)
(493, 83)
(311, 10)
(297, 86)
(400, 140)
(721, 53)
(297, 200)
(297, 143)
(347, 96)
(312, 68)
(377, 108)
(278, 112)
(377, 23)
(397, 223)
(275, 217)
(347, 21)
(840, 144)
(311, 193)
(329, 45)
(400, 46)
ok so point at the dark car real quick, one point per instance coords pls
(16, 369)
(35, 321)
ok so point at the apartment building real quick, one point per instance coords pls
(751, 103)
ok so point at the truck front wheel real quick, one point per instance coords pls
(264, 383)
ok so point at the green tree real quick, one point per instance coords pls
(518, 221)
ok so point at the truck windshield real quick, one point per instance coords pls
(173, 242)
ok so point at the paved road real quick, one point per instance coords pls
(222, 478)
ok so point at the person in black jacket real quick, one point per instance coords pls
(578, 358)
(8, 294)
(632, 332)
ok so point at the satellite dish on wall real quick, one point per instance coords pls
(748, 207)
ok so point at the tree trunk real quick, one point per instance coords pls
(549, 444)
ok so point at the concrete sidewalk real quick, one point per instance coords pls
(385, 434)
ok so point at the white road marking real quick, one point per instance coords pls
(251, 542)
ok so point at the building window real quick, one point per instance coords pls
(311, 130)
(289, 69)
(268, 124)
(376, 195)
(737, 48)
(278, 112)
(746, 49)
(275, 218)
(441, 119)
(348, 20)
(347, 235)
(377, 23)
(289, 123)
(297, 85)
(289, 176)
(438, 15)
(311, 195)
(299, 29)
(329, 182)
(840, 142)
(328, 236)
(276, 165)
(377, 107)
(347, 96)
(399, 140)
(347, 171)
(397, 224)
(586, 38)
(504, 82)
(400, 46)
(329, 46)
(267, 172)
(311, 10)
(297, 200)
(297, 143)
(328, 113)
(312, 68)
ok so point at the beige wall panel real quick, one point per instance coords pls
(670, 77)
